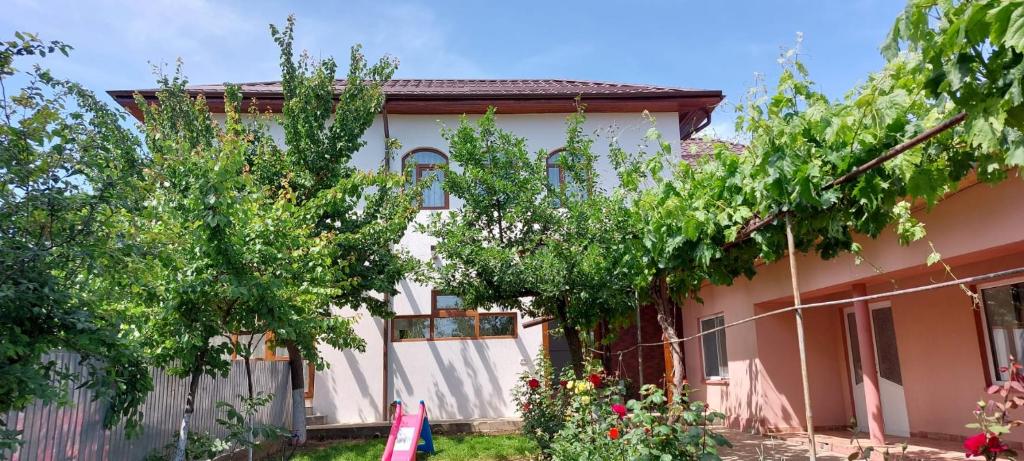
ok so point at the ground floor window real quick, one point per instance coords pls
(716, 361)
(450, 321)
(1004, 318)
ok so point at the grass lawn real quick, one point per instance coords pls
(454, 448)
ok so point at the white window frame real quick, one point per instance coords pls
(990, 357)
(703, 366)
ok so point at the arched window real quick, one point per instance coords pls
(556, 176)
(426, 165)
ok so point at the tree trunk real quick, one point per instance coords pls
(572, 339)
(298, 393)
(665, 307)
(190, 407)
(249, 417)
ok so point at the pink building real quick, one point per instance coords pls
(935, 352)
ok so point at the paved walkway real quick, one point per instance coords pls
(833, 446)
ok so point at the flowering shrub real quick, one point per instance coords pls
(541, 399)
(589, 419)
(993, 419)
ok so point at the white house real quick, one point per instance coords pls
(463, 365)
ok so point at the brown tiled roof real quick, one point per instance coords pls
(481, 88)
(476, 96)
(695, 148)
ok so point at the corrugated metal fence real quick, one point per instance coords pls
(76, 432)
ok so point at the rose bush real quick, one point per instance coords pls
(993, 417)
(541, 398)
(589, 419)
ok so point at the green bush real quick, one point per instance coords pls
(589, 419)
(541, 400)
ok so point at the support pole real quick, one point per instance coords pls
(639, 350)
(800, 340)
(868, 366)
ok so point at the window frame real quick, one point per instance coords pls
(990, 365)
(703, 364)
(426, 168)
(436, 313)
(548, 164)
(269, 350)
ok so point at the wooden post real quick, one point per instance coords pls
(800, 340)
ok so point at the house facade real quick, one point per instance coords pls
(909, 365)
(463, 364)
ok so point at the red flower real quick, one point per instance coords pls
(533, 383)
(595, 380)
(995, 446)
(983, 443)
(619, 410)
(563, 383)
(974, 445)
(526, 407)
(613, 433)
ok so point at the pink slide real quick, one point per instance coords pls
(406, 432)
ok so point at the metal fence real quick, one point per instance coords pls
(76, 432)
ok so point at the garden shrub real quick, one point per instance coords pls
(541, 400)
(590, 419)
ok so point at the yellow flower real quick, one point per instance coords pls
(583, 386)
(585, 400)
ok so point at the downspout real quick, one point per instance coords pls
(385, 328)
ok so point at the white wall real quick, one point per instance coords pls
(458, 379)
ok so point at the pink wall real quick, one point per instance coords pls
(977, 230)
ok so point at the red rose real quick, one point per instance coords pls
(595, 380)
(983, 443)
(995, 446)
(526, 407)
(974, 445)
(533, 383)
(563, 383)
(613, 433)
(619, 410)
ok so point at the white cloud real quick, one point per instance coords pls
(115, 40)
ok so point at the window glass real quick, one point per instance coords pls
(1005, 325)
(716, 362)
(426, 166)
(454, 327)
(554, 170)
(410, 328)
(497, 325)
(448, 302)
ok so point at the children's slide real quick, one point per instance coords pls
(406, 432)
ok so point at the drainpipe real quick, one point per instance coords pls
(866, 344)
(385, 328)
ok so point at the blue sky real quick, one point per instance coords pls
(701, 44)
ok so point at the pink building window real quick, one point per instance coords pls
(716, 361)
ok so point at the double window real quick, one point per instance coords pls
(427, 165)
(1004, 323)
(716, 361)
(449, 320)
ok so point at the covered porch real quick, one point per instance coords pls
(898, 369)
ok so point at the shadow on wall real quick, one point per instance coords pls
(344, 409)
(464, 379)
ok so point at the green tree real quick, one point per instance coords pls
(364, 213)
(67, 168)
(250, 236)
(518, 235)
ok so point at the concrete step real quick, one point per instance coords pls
(316, 420)
(309, 411)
